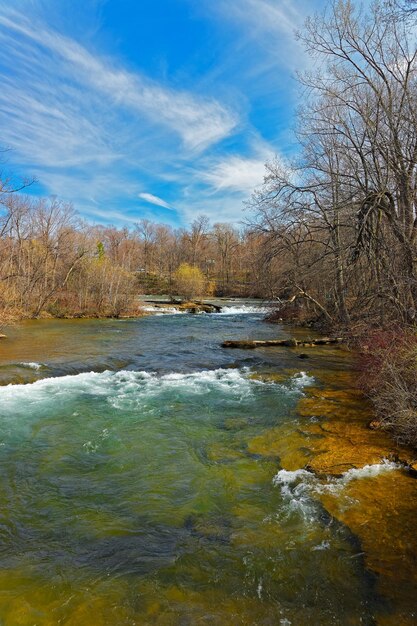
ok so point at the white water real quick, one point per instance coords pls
(242, 310)
(300, 380)
(225, 310)
(31, 365)
(299, 487)
(127, 384)
(129, 390)
(166, 310)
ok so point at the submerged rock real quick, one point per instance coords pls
(221, 453)
(346, 440)
(381, 512)
(235, 423)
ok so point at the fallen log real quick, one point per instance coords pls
(287, 343)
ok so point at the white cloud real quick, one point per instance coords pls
(91, 132)
(236, 174)
(199, 121)
(228, 208)
(149, 197)
(110, 216)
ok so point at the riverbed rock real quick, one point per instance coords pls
(199, 307)
(221, 453)
(235, 423)
(381, 513)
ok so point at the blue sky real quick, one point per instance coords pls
(157, 109)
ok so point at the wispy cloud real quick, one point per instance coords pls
(219, 187)
(279, 16)
(88, 129)
(98, 132)
(198, 121)
(149, 197)
(266, 33)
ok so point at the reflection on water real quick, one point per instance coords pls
(150, 477)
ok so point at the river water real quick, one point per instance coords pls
(149, 476)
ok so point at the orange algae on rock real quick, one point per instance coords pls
(344, 416)
(381, 512)
(346, 441)
(287, 445)
(332, 437)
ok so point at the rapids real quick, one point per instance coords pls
(150, 477)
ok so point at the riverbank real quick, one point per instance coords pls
(386, 367)
(145, 306)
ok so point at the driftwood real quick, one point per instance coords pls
(288, 343)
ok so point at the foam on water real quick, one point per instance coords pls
(163, 310)
(242, 310)
(31, 365)
(301, 380)
(296, 383)
(335, 485)
(127, 389)
(299, 487)
(295, 489)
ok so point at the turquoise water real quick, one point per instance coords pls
(130, 493)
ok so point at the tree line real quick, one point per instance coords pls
(54, 263)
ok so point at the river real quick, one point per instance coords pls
(149, 476)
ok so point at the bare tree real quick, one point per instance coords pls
(352, 194)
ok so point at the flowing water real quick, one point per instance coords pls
(149, 476)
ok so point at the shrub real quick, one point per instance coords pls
(189, 281)
(388, 375)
